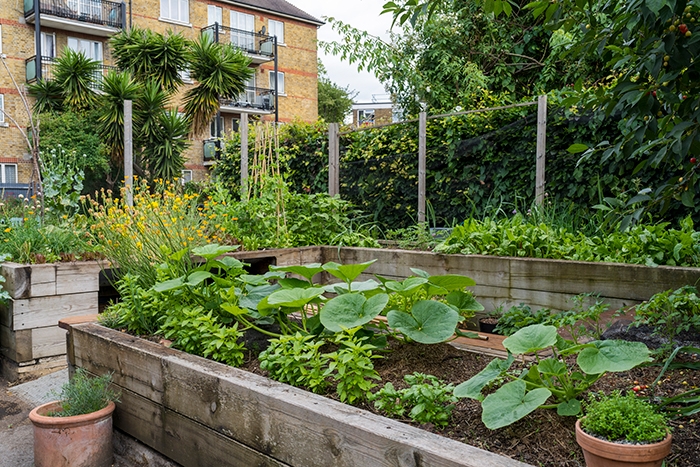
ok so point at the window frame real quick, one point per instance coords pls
(219, 14)
(283, 90)
(270, 22)
(44, 37)
(3, 166)
(183, 176)
(177, 19)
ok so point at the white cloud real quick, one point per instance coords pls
(361, 14)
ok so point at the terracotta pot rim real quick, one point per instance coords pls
(39, 419)
(632, 452)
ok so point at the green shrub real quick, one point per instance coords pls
(671, 312)
(83, 394)
(623, 418)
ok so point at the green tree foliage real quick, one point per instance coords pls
(77, 131)
(453, 57)
(334, 102)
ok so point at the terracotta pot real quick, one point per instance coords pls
(601, 453)
(77, 441)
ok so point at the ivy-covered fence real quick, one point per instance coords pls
(475, 163)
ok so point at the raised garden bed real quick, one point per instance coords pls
(199, 412)
(31, 343)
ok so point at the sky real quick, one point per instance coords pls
(361, 14)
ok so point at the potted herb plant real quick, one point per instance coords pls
(76, 430)
(623, 430)
(489, 322)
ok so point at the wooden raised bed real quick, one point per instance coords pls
(31, 343)
(199, 412)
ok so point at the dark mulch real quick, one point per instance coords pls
(542, 438)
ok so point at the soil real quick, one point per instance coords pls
(541, 438)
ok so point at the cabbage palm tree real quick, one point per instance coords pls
(221, 71)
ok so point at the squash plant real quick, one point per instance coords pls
(554, 378)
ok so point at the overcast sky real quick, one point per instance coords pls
(361, 14)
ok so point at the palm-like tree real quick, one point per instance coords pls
(220, 71)
(75, 74)
(151, 56)
(117, 87)
(162, 156)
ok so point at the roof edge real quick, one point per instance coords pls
(316, 22)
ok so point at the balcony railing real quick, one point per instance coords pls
(99, 12)
(47, 68)
(253, 98)
(253, 43)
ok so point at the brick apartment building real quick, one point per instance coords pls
(275, 34)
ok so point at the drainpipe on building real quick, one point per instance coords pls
(37, 37)
(277, 93)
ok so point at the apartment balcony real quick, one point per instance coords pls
(47, 65)
(94, 17)
(260, 48)
(259, 101)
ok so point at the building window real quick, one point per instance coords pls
(48, 45)
(243, 33)
(8, 173)
(2, 110)
(186, 176)
(214, 127)
(185, 76)
(280, 82)
(365, 116)
(214, 15)
(91, 49)
(175, 10)
(276, 29)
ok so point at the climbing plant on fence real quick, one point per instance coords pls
(475, 163)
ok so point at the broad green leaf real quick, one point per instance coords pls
(510, 403)
(212, 250)
(408, 285)
(294, 298)
(168, 285)
(420, 273)
(576, 148)
(198, 277)
(351, 310)
(452, 282)
(430, 322)
(552, 367)
(347, 272)
(253, 279)
(307, 271)
(612, 355)
(341, 287)
(569, 408)
(255, 295)
(229, 262)
(531, 339)
(464, 301)
(293, 282)
(473, 386)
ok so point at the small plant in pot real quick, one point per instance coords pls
(76, 430)
(623, 430)
(489, 322)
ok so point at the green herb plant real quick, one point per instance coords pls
(427, 399)
(583, 321)
(549, 382)
(84, 394)
(520, 316)
(671, 312)
(298, 360)
(623, 418)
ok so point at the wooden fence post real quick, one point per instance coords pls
(243, 128)
(422, 125)
(128, 153)
(333, 159)
(541, 148)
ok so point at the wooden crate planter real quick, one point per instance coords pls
(199, 412)
(31, 343)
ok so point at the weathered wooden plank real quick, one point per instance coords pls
(560, 301)
(16, 345)
(74, 278)
(26, 371)
(47, 342)
(136, 370)
(40, 312)
(187, 442)
(17, 279)
(43, 280)
(286, 423)
(6, 314)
